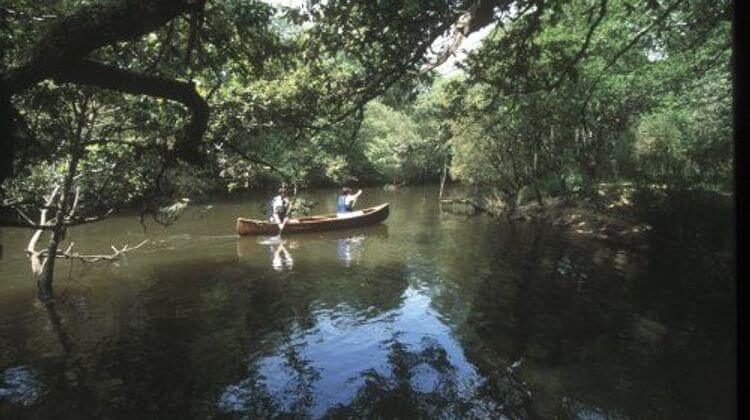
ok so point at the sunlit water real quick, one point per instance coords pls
(426, 315)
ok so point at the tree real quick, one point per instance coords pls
(587, 84)
(139, 59)
(245, 93)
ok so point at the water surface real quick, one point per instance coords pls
(426, 315)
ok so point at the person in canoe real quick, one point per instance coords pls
(278, 207)
(345, 201)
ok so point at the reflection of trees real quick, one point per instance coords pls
(369, 291)
(62, 370)
(55, 321)
(301, 387)
(419, 382)
(614, 340)
(249, 397)
(197, 322)
(159, 352)
(252, 397)
(423, 383)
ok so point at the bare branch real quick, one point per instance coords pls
(51, 198)
(84, 220)
(89, 258)
(75, 203)
(22, 214)
(31, 247)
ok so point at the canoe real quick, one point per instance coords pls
(369, 216)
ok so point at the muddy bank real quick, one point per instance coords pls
(633, 215)
(582, 220)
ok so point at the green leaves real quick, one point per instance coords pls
(559, 91)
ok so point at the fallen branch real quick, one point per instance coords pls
(89, 258)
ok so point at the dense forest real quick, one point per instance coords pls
(112, 104)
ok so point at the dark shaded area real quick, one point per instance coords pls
(657, 342)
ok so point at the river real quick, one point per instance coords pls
(427, 315)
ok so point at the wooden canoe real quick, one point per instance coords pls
(369, 216)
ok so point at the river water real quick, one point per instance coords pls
(427, 315)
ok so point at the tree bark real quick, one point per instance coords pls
(45, 276)
(8, 146)
(87, 72)
(46, 273)
(61, 51)
(89, 28)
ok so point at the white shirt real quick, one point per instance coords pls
(277, 203)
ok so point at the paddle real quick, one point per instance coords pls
(289, 214)
(356, 197)
(281, 226)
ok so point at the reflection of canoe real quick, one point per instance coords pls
(379, 231)
(317, 244)
(318, 247)
(363, 217)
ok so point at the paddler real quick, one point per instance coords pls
(345, 201)
(278, 207)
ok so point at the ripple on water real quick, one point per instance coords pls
(20, 385)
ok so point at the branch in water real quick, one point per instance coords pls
(89, 258)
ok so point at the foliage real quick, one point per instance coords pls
(395, 147)
(652, 108)
(559, 96)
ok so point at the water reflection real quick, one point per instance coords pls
(66, 342)
(400, 363)
(590, 347)
(347, 246)
(441, 317)
(20, 385)
(348, 249)
(281, 259)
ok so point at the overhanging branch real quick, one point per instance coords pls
(92, 73)
(89, 28)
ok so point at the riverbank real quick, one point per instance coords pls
(584, 220)
(633, 215)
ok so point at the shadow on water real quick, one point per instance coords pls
(429, 315)
(601, 338)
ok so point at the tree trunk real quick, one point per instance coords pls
(442, 179)
(90, 27)
(60, 54)
(7, 132)
(46, 273)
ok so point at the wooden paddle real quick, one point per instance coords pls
(289, 215)
(356, 197)
(281, 226)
